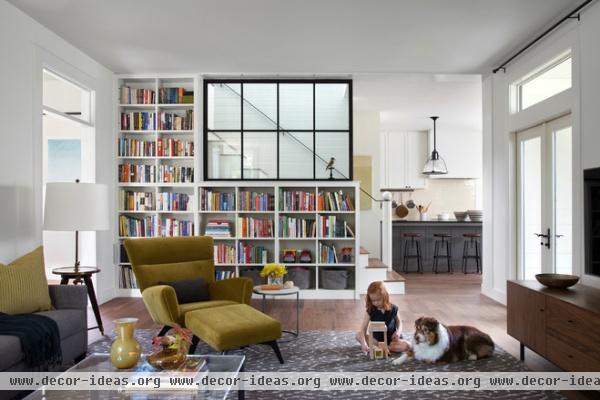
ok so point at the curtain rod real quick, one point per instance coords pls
(546, 32)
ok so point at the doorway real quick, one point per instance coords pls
(544, 199)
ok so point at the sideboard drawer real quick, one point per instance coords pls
(571, 325)
(569, 358)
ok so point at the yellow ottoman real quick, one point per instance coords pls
(234, 326)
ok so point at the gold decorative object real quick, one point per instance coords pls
(170, 351)
(125, 350)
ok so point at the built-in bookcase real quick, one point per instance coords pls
(264, 219)
(156, 156)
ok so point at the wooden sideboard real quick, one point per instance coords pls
(561, 325)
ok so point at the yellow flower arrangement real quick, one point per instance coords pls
(275, 270)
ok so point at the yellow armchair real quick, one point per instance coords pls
(180, 258)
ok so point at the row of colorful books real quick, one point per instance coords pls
(251, 254)
(136, 201)
(224, 274)
(127, 278)
(296, 201)
(216, 201)
(332, 227)
(136, 148)
(138, 121)
(174, 122)
(140, 173)
(177, 95)
(172, 201)
(255, 201)
(327, 254)
(128, 95)
(224, 254)
(297, 227)
(153, 226)
(334, 201)
(250, 227)
(168, 147)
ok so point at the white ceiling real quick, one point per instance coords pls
(406, 101)
(296, 37)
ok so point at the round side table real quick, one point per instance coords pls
(82, 274)
(282, 292)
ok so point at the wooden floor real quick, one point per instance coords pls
(453, 299)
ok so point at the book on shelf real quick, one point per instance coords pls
(296, 200)
(136, 148)
(334, 227)
(252, 254)
(218, 228)
(290, 227)
(221, 274)
(127, 278)
(224, 254)
(216, 201)
(175, 95)
(123, 256)
(171, 201)
(138, 121)
(175, 174)
(335, 201)
(137, 173)
(172, 227)
(139, 227)
(169, 147)
(170, 121)
(250, 227)
(136, 201)
(255, 201)
(128, 95)
(327, 254)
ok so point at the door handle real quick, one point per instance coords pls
(545, 236)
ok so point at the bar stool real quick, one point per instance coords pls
(471, 240)
(412, 240)
(442, 239)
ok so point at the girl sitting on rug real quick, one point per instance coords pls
(380, 309)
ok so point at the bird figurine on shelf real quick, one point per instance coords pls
(330, 167)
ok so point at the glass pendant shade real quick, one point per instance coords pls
(435, 164)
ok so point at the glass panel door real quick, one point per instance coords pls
(544, 172)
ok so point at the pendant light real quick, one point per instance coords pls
(435, 164)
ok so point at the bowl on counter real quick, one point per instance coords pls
(557, 281)
(460, 215)
(475, 215)
(443, 217)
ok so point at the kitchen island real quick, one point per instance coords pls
(428, 229)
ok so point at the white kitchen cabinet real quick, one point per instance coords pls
(404, 155)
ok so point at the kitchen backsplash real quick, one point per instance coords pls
(446, 195)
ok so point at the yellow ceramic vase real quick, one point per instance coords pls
(125, 350)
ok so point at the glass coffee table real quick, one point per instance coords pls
(100, 362)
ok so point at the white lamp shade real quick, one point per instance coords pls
(74, 206)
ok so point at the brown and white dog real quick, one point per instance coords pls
(434, 342)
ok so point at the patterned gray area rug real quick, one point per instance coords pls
(338, 351)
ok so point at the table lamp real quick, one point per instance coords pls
(75, 206)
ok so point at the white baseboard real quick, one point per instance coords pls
(494, 294)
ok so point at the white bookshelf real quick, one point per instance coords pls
(153, 134)
(276, 245)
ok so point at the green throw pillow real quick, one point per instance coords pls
(23, 285)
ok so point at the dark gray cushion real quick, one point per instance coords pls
(189, 290)
(70, 321)
(10, 348)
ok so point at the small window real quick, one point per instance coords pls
(553, 78)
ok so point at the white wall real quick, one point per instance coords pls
(499, 243)
(26, 46)
(366, 135)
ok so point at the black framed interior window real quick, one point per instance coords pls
(274, 129)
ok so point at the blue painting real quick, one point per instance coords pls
(64, 160)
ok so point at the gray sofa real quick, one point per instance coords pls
(70, 313)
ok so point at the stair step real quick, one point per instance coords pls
(364, 251)
(393, 276)
(376, 263)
